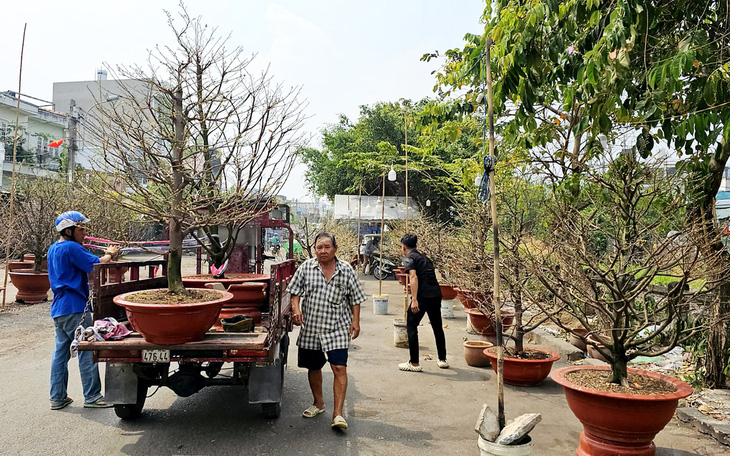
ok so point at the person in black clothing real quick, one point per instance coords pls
(425, 299)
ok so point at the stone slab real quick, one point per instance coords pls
(719, 430)
(487, 424)
(516, 429)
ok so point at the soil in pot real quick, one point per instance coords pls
(528, 368)
(474, 353)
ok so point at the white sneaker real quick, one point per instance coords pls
(409, 367)
(442, 364)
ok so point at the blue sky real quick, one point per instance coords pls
(343, 53)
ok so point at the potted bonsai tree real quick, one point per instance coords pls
(200, 141)
(616, 232)
(37, 203)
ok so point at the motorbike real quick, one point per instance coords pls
(275, 249)
(384, 271)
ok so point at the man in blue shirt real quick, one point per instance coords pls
(68, 266)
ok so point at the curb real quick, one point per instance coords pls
(564, 348)
(691, 417)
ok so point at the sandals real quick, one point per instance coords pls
(58, 405)
(442, 364)
(99, 403)
(339, 423)
(312, 411)
(408, 367)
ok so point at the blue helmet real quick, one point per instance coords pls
(69, 219)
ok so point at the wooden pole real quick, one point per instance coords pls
(12, 179)
(495, 230)
(405, 121)
(382, 238)
(359, 214)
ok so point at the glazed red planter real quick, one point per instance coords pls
(471, 299)
(169, 324)
(615, 423)
(448, 292)
(32, 286)
(523, 372)
(199, 280)
(485, 325)
(250, 294)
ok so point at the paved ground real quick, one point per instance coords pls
(390, 412)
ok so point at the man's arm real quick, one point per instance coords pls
(413, 278)
(355, 326)
(296, 311)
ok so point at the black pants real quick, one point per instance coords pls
(432, 307)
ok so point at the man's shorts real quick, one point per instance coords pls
(315, 359)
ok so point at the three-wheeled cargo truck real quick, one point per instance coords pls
(251, 360)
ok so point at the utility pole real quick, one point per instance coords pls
(72, 123)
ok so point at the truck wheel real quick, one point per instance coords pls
(271, 410)
(132, 411)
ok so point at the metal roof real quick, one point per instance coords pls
(347, 208)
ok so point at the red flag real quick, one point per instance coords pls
(56, 143)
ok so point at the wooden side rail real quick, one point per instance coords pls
(110, 279)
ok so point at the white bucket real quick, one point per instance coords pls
(447, 309)
(380, 304)
(488, 448)
(400, 334)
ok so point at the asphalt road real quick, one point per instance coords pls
(389, 412)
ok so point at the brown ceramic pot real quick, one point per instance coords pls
(448, 292)
(617, 423)
(471, 299)
(485, 325)
(169, 324)
(474, 353)
(32, 286)
(523, 372)
(577, 338)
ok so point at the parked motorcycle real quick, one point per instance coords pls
(384, 271)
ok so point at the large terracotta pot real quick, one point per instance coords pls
(523, 372)
(32, 286)
(596, 352)
(474, 353)
(577, 338)
(471, 299)
(169, 324)
(448, 292)
(199, 280)
(485, 325)
(615, 423)
(250, 294)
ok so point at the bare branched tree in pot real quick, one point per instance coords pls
(197, 139)
(616, 232)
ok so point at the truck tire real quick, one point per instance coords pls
(271, 410)
(133, 411)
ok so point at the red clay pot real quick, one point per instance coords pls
(251, 294)
(523, 372)
(448, 292)
(471, 299)
(615, 423)
(577, 338)
(401, 278)
(485, 325)
(32, 286)
(169, 324)
(474, 353)
(228, 312)
(199, 280)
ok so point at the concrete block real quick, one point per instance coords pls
(564, 348)
(717, 429)
(487, 424)
(518, 428)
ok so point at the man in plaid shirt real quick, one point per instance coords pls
(325, 299)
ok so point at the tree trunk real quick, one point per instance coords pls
(174, 257)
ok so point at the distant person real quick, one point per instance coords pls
(372, 246)
(425, 299)
(275, 243)
(68, 266)
(326, 297)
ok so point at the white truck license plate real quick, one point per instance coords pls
(155, 356)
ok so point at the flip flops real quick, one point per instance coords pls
(339, 423)
(58, 405)
(312, 411)
(99, 403)
(408, 367)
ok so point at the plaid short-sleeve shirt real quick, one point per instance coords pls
(326, 306)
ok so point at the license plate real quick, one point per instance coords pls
(155, 356)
